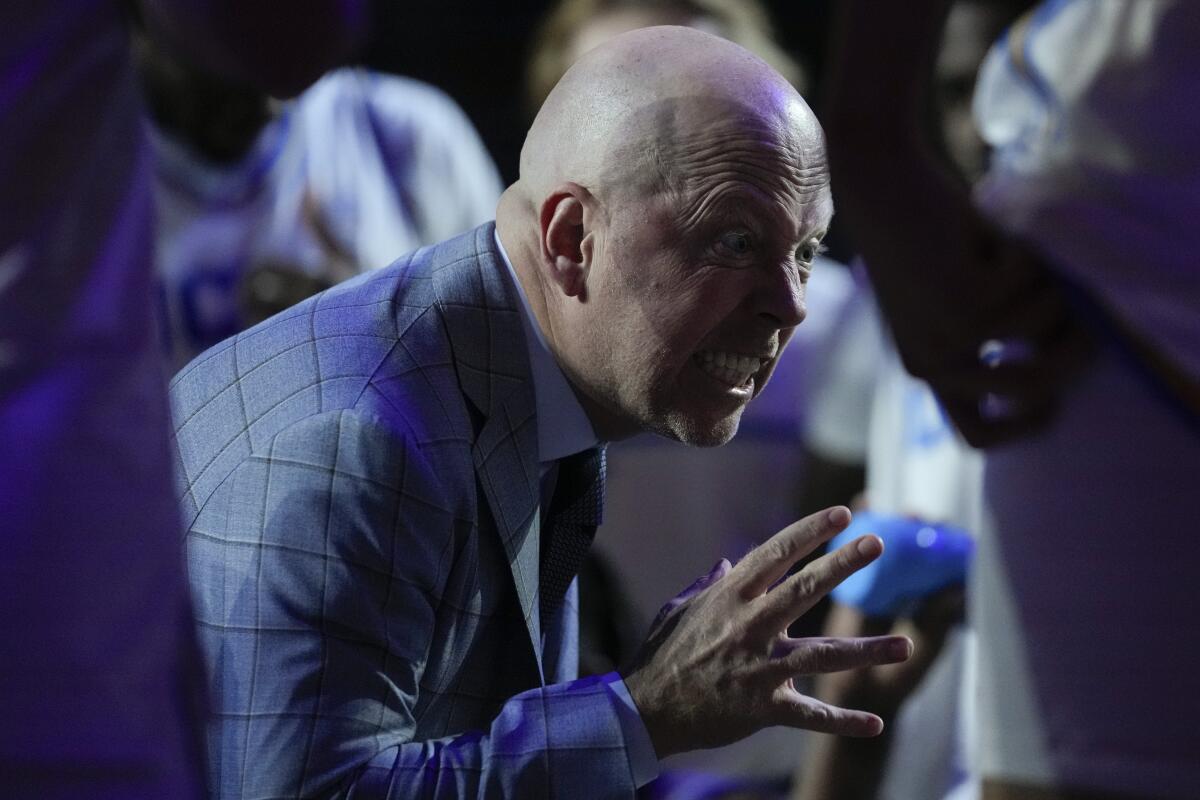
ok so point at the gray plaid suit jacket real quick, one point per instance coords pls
(359, 483)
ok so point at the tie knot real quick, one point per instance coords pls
(579, 488)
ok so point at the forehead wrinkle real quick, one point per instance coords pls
(732, 200)
(707, 168)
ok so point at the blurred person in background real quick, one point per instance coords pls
(573, 27)
(264, 202)
(100, 679)
(918, 468)
(1054, 315)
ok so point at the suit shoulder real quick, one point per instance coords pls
(381, 453)
(314, 358)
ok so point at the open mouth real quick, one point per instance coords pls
(731, 369)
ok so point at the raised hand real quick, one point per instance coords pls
(718, 663)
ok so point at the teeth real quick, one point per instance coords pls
(729, 368)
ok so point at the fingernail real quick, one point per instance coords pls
(838, 516)
(900, 649)
(870, 545)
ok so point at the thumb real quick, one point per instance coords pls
(718, 571)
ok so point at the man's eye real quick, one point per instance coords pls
(808, 252)
(736, 243)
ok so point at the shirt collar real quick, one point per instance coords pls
(562, 426)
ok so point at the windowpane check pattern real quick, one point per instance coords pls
(360, 488)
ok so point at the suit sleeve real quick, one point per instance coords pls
(564, 740)
(320, 568)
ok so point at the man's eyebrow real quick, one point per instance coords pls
(753, 203)
(815, 222)
(750, 203)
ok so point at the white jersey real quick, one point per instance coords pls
(917, 464)
(1091, 110)
(843, 369)
(358, 170)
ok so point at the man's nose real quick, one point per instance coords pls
(780, 299)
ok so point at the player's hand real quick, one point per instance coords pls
(1017, 347)
(718, 663)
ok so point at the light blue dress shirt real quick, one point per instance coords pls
(563, 429)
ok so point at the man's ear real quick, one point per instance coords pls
(566, 238)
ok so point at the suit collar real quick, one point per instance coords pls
(483, 320)
(563, 427)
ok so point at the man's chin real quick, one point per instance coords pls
(702, 432)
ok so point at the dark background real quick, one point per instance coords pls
(477, 51)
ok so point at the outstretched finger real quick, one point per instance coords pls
(795, 596)
(771, 560)
(800, 711)
(822, 654)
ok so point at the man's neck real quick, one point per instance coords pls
(521, 247)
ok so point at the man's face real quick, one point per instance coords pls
(698, 280)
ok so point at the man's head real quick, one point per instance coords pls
(672, 196)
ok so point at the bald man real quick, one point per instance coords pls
(389, 487)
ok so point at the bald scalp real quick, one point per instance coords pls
(620, 114)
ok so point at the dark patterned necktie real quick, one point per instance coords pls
(571, 522)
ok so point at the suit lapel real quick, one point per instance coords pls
(483, 320)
